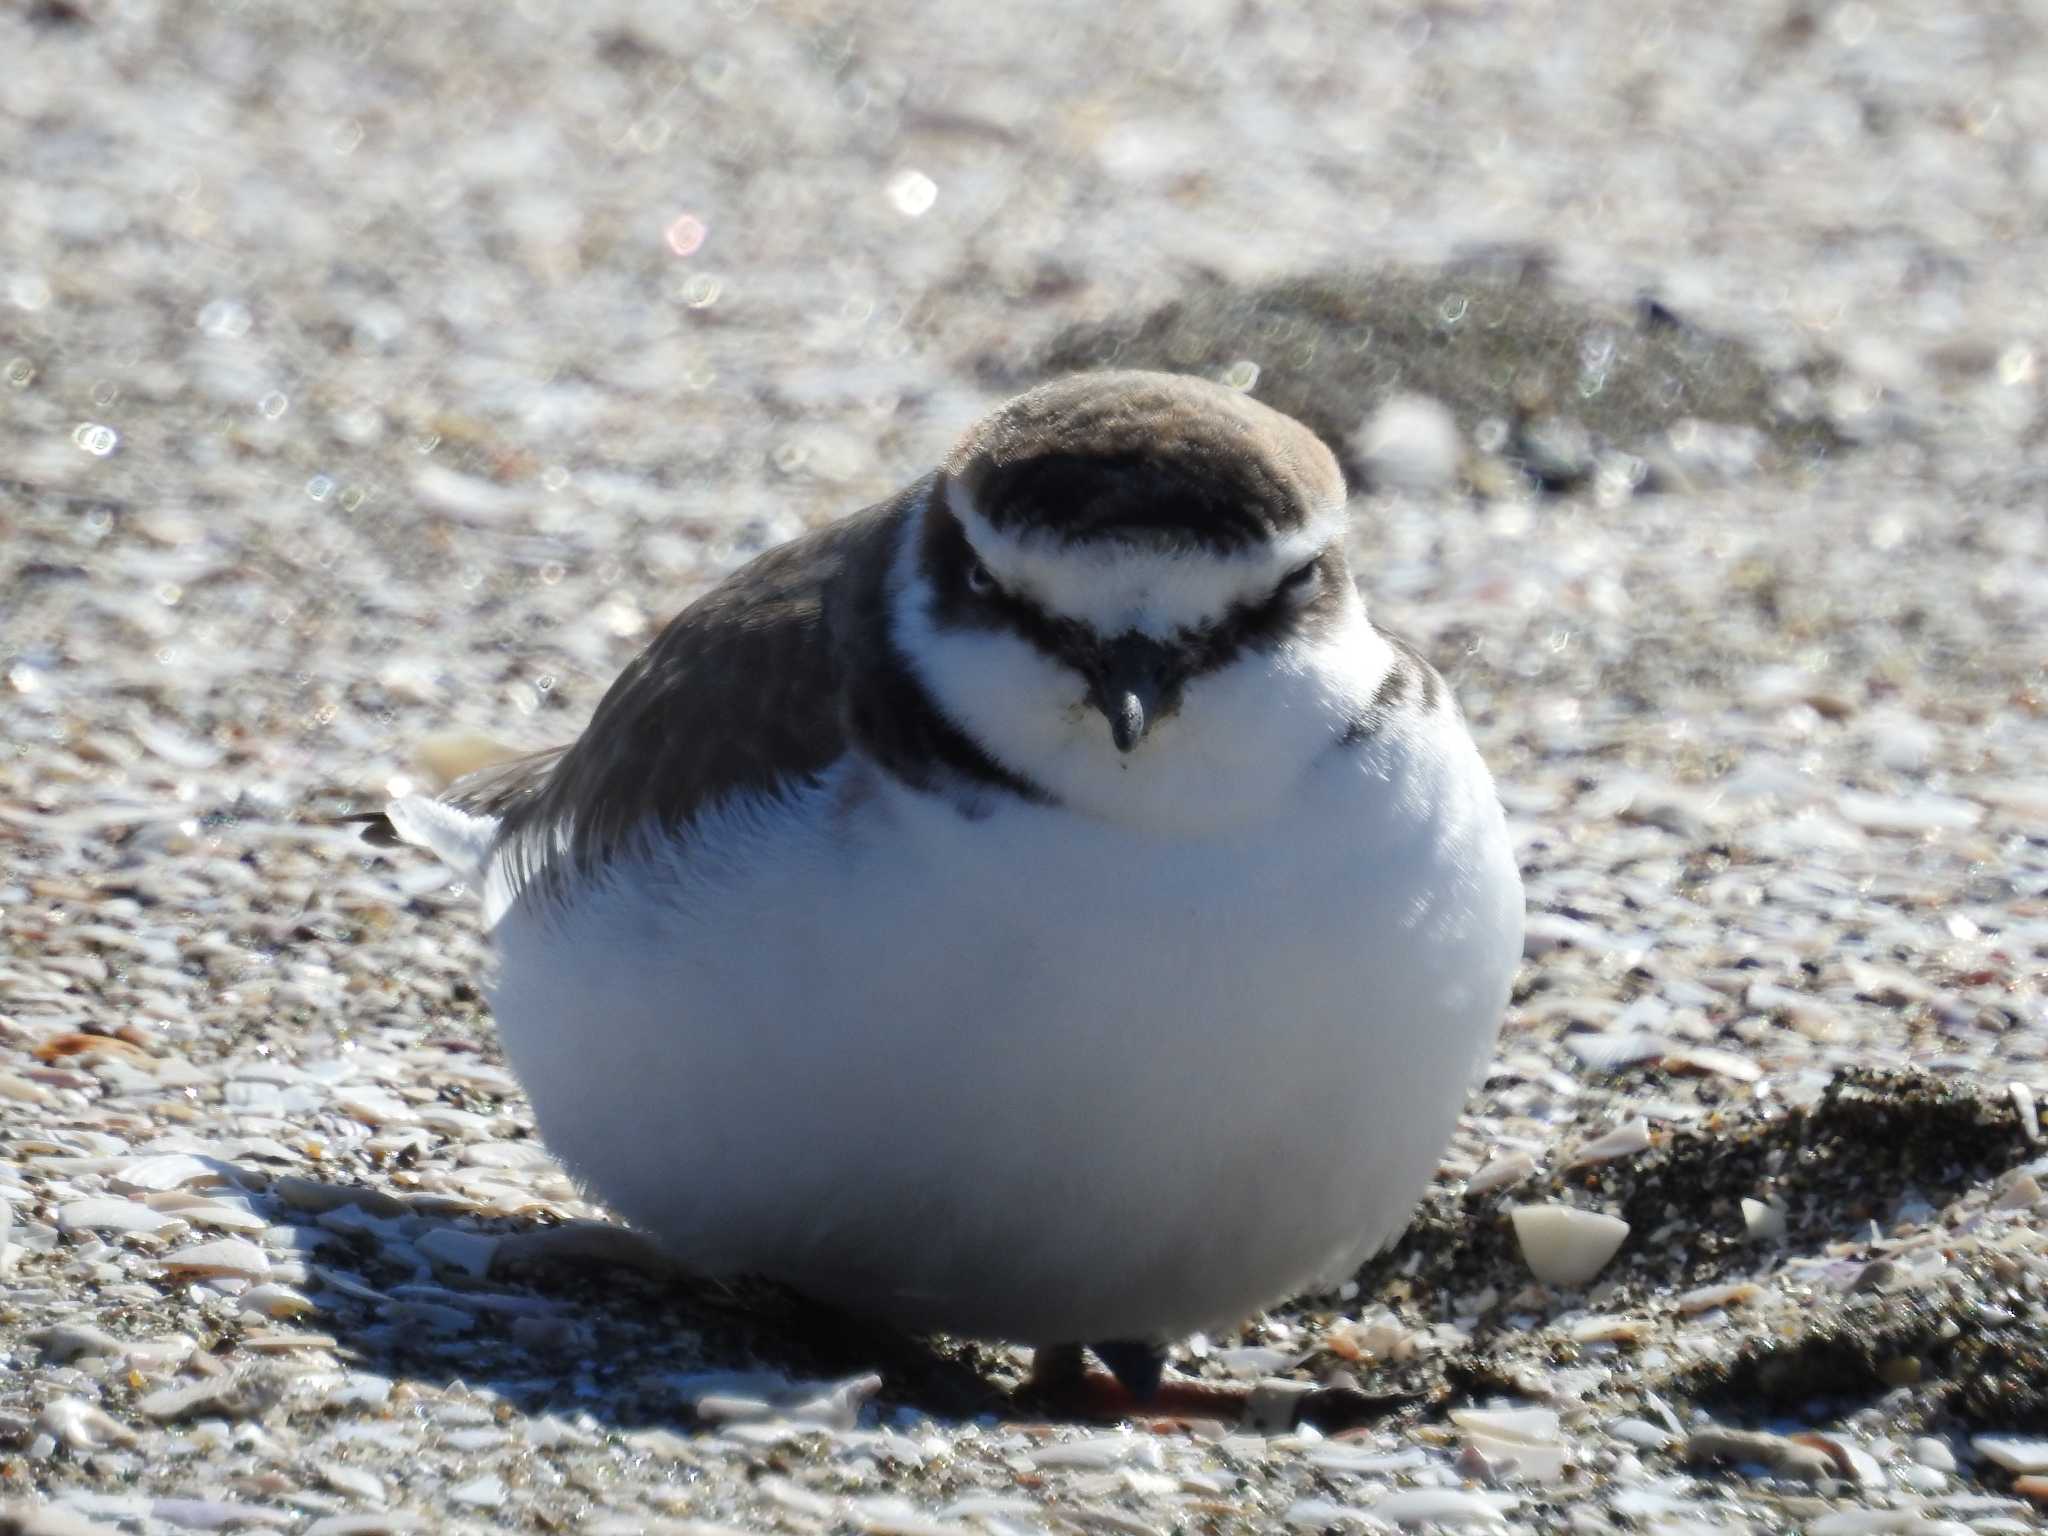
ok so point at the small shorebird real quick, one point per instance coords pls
(1042, 906)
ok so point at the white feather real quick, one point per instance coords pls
(1125, 1066)
(461, 841)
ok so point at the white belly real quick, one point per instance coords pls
(1029, 1076)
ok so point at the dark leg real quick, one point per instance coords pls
(1062, 1384)
(1137, 1388)
(1138, 1368)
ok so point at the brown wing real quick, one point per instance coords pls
(742, 691)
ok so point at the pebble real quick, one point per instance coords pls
(1556, 451)
(1640, 1432)
(1764, 1223)
(469, 1253)
(1410, 443)
(1930, 1452)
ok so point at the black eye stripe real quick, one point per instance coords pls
(960, 602)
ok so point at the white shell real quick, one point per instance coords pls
(453, 1248)
(1765, 1223)
(1734, 1293)
(229, 1256)
(1442, 1506)
(1622, 1141)
(1564, 1246)
(2023, 1105)
(1501, 1172)
(116, 1215)
(2012, 1452)
(1529, 1426)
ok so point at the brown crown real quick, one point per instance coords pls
(1145, 457)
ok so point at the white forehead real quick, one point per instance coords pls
(1114, 588)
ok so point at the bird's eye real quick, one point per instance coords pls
(979, 581)
(1300, 579)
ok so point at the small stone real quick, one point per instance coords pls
(452, 1248)
(1556, 452)
(1930, 1452)
(1273, 1406)
(1410, 443)
(1764, 1223)
(1640, 1432)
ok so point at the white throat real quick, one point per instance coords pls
(1231, 756)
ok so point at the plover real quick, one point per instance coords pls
(1040, 907)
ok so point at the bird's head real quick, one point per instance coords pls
(1130, 586)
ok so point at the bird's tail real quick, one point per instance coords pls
(460, 839)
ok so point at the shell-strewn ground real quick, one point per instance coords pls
(371, 375)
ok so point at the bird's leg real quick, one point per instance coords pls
(1136, 1387)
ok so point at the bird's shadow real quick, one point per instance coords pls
(586, 1319)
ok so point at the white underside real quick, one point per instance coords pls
(1028, 1073)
